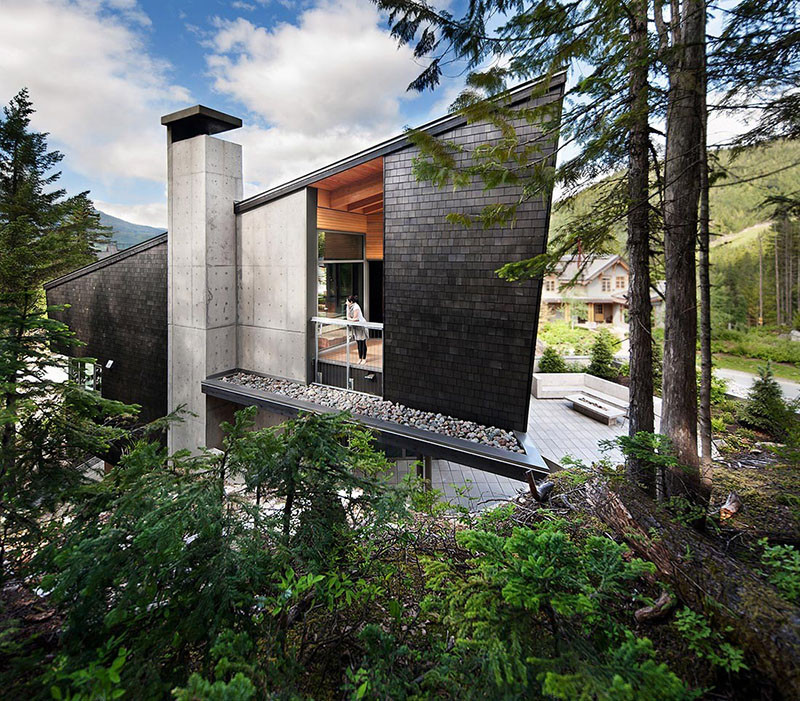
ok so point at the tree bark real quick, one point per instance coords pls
(760, 283)
(639, 306)
(681, 197)
(704, 234)
(778, 317)
(761, 622)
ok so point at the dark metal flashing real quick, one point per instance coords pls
(437, 127)
(196, 120)
(110, 260)
(417, 441)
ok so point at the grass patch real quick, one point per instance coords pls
(785, 371)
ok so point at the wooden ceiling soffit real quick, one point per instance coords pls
(349, 194)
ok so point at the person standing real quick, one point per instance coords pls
(360, 333)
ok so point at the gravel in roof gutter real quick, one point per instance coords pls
(377, 408)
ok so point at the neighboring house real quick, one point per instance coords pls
(260, 284)
(592, 294)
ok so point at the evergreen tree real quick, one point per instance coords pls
(602, 362)
(551, 361)
(765, 409)
(43, 233)
(47, 427)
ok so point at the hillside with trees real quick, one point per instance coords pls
(737, 200)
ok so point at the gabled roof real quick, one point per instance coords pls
(439, 126)
(108, 260)
(595, 267)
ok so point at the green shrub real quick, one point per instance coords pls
(707, 643)
(534, 609)
(762, 343)
(602, 361)
(551, 361)
(783, 568)
(765, 409)
(565, 338)
(161, 555)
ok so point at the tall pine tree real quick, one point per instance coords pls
(47, 427)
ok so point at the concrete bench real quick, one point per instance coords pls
(598, 408)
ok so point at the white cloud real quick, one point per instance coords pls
(153, 214)
(324, 87)
(94, 85)
(276, 155)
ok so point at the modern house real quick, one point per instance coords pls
(591, 293)
(259, 286)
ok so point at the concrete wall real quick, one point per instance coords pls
(119, 310)
(204, 178)
(459, 340)
(557, 385)
(276, 293)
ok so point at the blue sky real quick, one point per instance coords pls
(312, 80)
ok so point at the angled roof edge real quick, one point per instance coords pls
(616, 259)
(109, 260)
(437, 126)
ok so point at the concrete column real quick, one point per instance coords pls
(204, 179)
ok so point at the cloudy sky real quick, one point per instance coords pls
(313, 80)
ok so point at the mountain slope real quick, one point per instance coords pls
(735, 206)
(126, 234)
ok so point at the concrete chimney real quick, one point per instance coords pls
(204, 179)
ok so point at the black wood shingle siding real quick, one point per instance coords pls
(119, 311)
(458, 339)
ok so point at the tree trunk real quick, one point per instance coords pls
(788, 276)
(778, 317)
(760, 283)
(704, 234)
(681, 197)
(765, 625)
(639, 306)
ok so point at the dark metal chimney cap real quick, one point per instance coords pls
(196, 120)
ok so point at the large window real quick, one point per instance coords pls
(340, 272)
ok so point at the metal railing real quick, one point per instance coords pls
(334, 365)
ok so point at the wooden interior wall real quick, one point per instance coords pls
(336, 220)
(374, 243)
(339, 195)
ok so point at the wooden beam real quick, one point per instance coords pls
(343, 196)
(365, 202)
(323, 198)
(373, 208)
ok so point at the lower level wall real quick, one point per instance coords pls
(118, 308)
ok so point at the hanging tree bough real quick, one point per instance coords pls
(761, 622)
